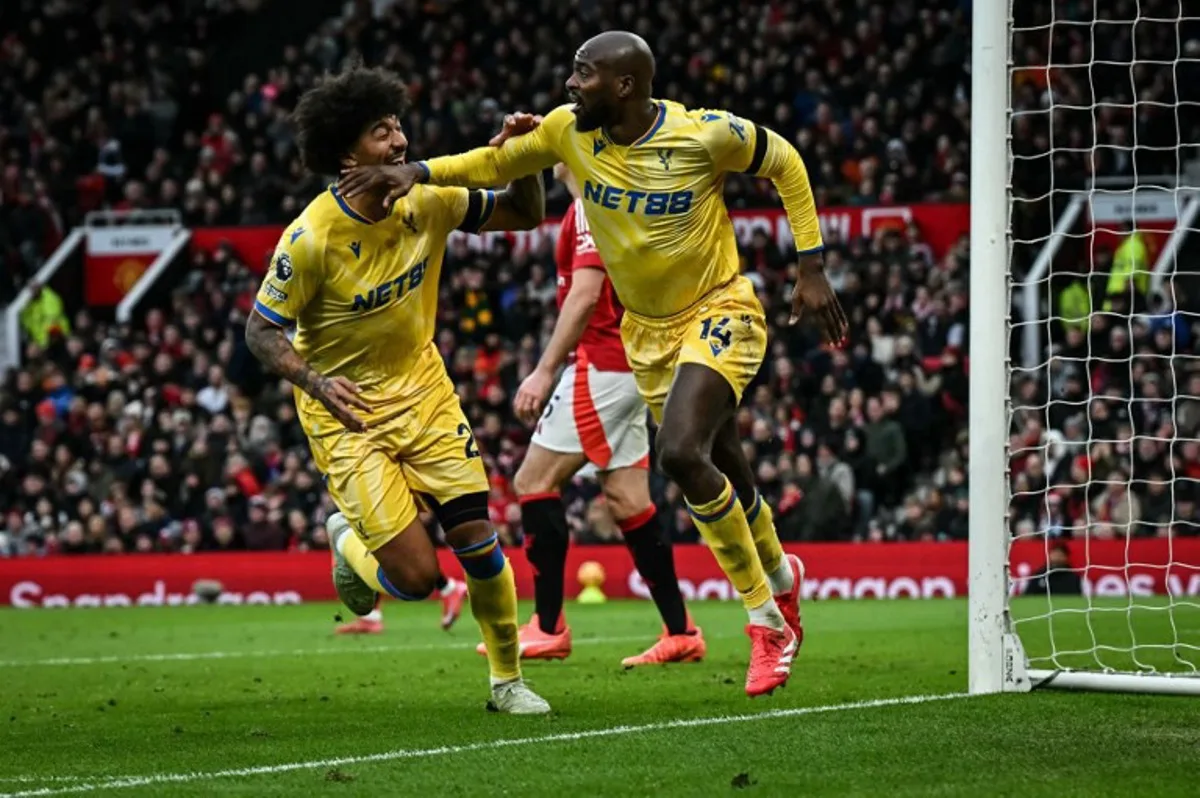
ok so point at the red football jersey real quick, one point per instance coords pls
(601, 342)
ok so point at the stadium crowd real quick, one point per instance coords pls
(166, 435)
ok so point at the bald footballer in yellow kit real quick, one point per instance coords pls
(652, 174)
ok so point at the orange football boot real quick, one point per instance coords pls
(536, 644)
(361, 626)
(452, 604)
(688, 647)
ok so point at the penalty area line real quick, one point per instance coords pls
(127, 782)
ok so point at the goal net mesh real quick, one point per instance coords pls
(1104, 456)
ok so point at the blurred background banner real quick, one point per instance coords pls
(836, 571)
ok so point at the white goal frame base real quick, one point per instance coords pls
(1115, 682)
(1018, 678)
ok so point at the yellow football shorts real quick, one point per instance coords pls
(726, 331)
(428, 449)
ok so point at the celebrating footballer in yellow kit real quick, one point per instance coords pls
(652, 174)
(358, 285)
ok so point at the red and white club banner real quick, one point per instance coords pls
(117, 257)
(941, 225)
(834, 571)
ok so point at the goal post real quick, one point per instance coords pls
(992, 663)
(1084, 556)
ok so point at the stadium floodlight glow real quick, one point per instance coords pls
(1071, 160)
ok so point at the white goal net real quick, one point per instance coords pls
(1103, 376)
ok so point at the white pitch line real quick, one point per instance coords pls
(190, 656)
(126, 782)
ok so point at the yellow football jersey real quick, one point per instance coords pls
(655, 208)
(361, 297)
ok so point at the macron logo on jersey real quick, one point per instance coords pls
(391, 290)
(649, 203)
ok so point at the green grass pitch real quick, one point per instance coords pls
(265, 701)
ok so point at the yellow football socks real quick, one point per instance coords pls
(362, 561)
(766, 542)
(493, 591)
(722, 524)
(494, 605)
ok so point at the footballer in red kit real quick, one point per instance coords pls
(575, 250)
(592, 421)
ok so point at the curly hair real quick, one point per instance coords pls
(332, 115)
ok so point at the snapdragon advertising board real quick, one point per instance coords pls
(941, 225)
(835, 571)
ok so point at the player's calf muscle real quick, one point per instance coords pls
(477, 548)
(698, 404)
(684, 460)
(410, 562)
(627, 492)
(730, 460)
(468, 534)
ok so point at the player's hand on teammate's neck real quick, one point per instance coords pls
(370, 205)
(368, 202)
(382, 149)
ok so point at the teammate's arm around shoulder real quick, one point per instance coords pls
(291, 281)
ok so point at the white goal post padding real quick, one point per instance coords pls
(1085, 385)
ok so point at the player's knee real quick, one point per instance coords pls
(678, 456)
(529, 482)
(624, 503)
(410, 584)
(477, 547)
(425, 584)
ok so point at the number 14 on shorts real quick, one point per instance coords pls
(716, 332)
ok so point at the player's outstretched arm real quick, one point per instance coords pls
(268, 342)
(573, 318)
(522, 150)
(518, 154)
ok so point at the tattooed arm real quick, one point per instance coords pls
(268, 342)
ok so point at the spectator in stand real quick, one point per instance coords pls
(1057, 576)
(43, 319)
(887, 448)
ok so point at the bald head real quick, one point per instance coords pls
(610, 84)
(622, 53)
